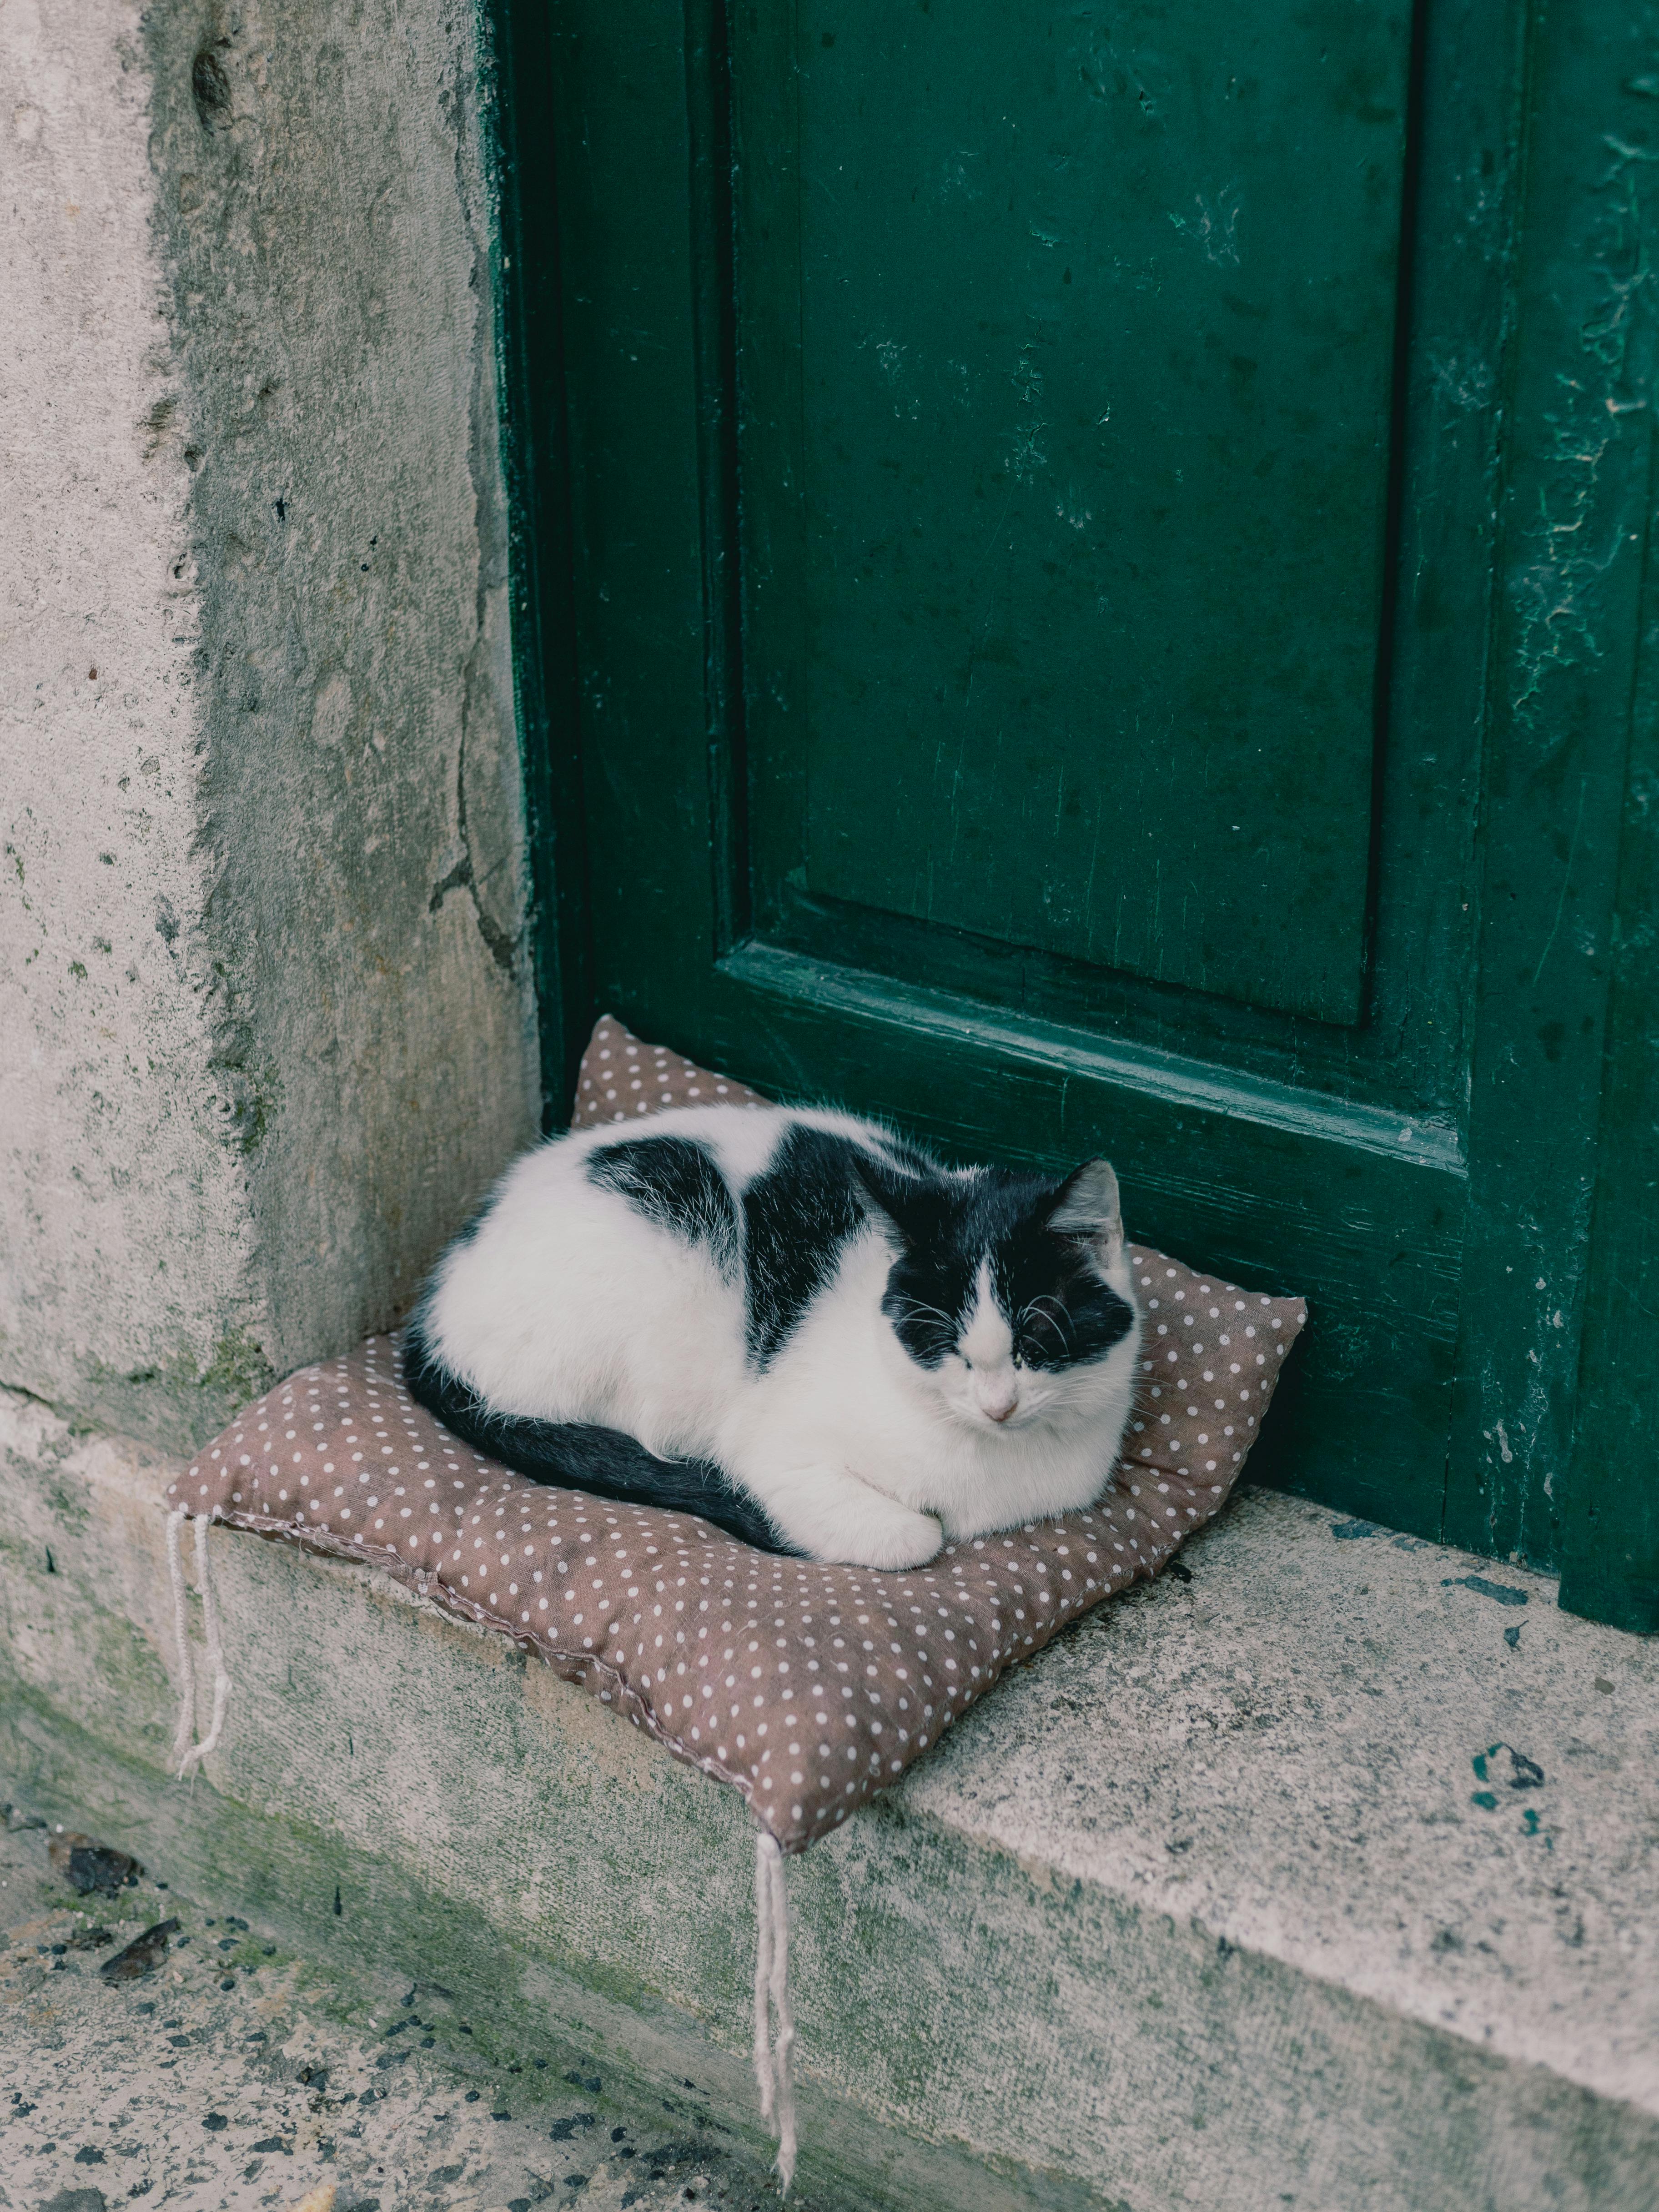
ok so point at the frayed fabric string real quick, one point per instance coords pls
(187, 1754)
(215, 1645)
(775, 2023)
(186, 1728)
(783, 2052)
(763, 1973)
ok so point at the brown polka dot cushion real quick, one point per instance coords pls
(806, 1687)
(620, 1078)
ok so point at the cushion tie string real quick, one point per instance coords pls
(185, 1753)
(186, 1728)
(773, 2058)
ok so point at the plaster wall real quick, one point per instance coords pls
(266, 1023)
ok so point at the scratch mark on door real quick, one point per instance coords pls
(1566, 878)
(1215, 226)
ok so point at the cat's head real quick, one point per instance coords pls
(1010, 1292)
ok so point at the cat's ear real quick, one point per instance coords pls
(906, 1201)
(1087, 1206)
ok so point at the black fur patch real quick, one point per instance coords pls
(1059, 1311)
(819, 1189)
(676, 1183)
(580, 1455)
(797, 1216)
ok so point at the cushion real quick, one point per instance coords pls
(806, 1687)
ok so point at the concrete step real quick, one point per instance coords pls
(1325, 1879)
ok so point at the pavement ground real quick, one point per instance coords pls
(230, 2074)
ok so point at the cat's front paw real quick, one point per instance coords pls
(828, 1514)
(895, 1542)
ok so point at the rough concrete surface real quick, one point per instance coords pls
(1394, 1767)
(1298, 1882)
(269, 1022)
(126, 1230)
(232, 2075)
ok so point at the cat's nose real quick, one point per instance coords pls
(998, 1409)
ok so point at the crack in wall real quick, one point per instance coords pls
(459, 97)
(503, 948)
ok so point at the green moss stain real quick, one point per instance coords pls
(238, 1367)
(178, 1401)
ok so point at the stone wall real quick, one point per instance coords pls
(266, 1022)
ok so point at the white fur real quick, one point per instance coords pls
(567, 1305)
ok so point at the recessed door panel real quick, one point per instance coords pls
(1068, 334)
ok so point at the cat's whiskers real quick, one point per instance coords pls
(917, 1308)
(1033, 1311)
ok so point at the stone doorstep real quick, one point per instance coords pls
(1327, 1876)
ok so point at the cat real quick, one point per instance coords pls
(793, 1323)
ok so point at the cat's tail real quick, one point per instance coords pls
(582, 1456)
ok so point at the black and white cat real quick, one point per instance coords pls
(793, 1323)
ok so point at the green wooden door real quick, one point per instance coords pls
(1034, 597)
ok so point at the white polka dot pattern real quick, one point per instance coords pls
(622, 1076)
(806, 1687)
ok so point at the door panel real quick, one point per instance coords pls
(1241, 1173)
(1268, 1143)
(1069, 335)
